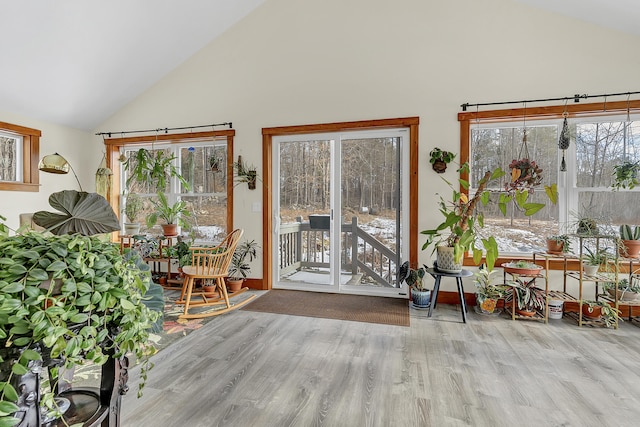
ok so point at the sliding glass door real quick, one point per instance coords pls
(338, 211)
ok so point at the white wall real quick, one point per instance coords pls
(302, 61)
(74, 145)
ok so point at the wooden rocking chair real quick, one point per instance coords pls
(210, 264)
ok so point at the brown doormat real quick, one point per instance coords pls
(388, 311)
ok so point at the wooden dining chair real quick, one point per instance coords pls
(210, 264)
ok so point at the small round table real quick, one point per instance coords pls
(438, 275)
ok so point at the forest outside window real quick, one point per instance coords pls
(19, 155)
(599, 141)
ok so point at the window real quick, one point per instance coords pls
(19, 155)
(204, 162)
(600, 139)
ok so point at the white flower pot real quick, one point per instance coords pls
(446, 260)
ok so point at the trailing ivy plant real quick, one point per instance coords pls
(625, 175)
(70, 297)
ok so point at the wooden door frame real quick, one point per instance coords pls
(411, 123)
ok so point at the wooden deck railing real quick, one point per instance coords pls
(302, 247)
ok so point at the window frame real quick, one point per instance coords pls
(30, 158)
(114, 145)
(576, 111)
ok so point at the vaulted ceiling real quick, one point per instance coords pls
(77, 62)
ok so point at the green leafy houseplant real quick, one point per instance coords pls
(461, 225)
(488, 293)
(133, 207)
(413, 276)
(625, 176)
(561, 240)
(608, 314)
(147, 168)
(171, 214)
(71, 296)
(439, 159)
(528, 297)
(245, 173)
(245, 252)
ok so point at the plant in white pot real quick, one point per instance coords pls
(240, 268)
(132, 208)
(592, 260)
(414, 278)
(460, 230)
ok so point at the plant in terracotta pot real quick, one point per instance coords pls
(414, 278)
(600, 310)
(460, 229)
(529, 298)
(629, 245)
(439, 159)
(558, 244)
(488, 293)
(239, 268)
(172, 214)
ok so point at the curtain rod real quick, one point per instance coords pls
(576, 98)
(166, 130)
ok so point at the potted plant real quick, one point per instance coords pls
(558, 244)
(592, 260)
(439, 159)
(625, 175)
(487, 293)
(529, 299)
(214, 163)
(600, 310)
(71, 297)
(245, 173)
(458, 232)
(414, 278)
(522, 268)
(629, 245)
(627, 291)
(147, 168)
(173, 215)
(239, 269)
(525, 174)
(132, 209)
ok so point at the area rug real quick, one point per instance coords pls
(387, 311)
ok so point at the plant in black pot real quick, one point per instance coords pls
(240, 268)
(66, 298)
(414, 278)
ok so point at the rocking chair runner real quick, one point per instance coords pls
(210, 264)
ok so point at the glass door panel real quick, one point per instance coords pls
(304, 213)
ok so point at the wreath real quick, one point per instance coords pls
(525, 174)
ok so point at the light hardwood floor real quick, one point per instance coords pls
(261, 369)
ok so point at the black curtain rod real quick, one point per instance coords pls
(576, 98)
(166, 130)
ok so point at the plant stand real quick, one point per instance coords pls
(438, 275)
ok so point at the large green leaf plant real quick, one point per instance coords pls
(462, 222)
(71, 297)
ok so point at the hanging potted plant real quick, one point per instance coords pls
(152, 169)
(245, 173)
(625, 175)
(525, 174)
(439, 159)
(214, 163)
